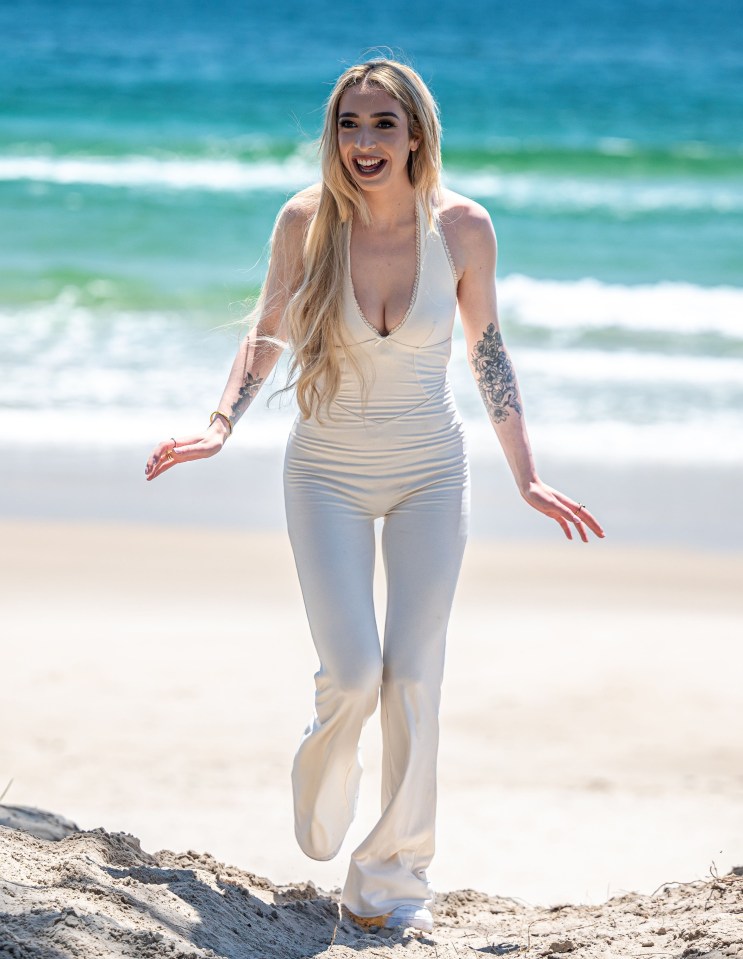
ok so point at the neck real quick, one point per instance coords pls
(391, 208)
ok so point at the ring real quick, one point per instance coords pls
(169, 456)
(580, 507)
(175, 441)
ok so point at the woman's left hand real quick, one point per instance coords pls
(562, 509)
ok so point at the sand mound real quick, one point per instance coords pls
(87, 894)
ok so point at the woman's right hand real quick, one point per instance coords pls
(173, 451)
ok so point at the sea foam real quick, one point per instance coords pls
(71, 369)
(619, 195)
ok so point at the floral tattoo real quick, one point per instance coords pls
(246, 394)
(494, 375)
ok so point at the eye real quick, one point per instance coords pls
(386, 124)
(346, 124)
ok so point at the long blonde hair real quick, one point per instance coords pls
(313, 318)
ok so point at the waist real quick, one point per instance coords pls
(434, 420)
(387, 402)
(381, 379)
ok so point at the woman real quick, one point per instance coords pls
(366, 271)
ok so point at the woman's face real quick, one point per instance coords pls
(373, 137)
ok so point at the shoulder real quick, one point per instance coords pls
(303, 205)
(290, 230)
(468, 229)
(298, 211)
(467, 218)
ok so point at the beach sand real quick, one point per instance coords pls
(157, 679)
(85, 894)
(157, 676)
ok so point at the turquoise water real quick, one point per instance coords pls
(145, 150)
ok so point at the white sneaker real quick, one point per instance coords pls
(410, 917)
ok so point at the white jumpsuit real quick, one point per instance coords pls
(396, 453)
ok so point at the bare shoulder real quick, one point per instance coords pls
(289, 232)
(298, 210)
(303, 205)
(468, 229)
(458, 209)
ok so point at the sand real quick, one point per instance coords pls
(157, 676)
(95, 894)
(156, 680)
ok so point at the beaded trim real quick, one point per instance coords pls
(448, 254)
(414, 295)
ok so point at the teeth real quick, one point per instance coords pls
(367, 163)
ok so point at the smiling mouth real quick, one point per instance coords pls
(368, 166)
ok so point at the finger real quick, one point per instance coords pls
(576, 521)
(569, 516)
(162, 459)
(565, 526)
(581, 512)
(151, 465)
(592, 523)
(158, 472)
(160, 450)
(162, 467)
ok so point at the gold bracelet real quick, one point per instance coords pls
(224, 416)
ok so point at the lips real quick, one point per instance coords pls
(368, 166)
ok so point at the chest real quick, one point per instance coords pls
(384, 275)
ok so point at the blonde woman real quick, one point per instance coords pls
(365, 274)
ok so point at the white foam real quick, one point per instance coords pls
(622, 197)
(588, 304)
(72, 375)
(629, 367)
(170, 173)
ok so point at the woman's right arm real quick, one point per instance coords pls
(258, 351)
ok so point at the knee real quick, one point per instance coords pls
(355, 686)
(413, 688)
(421, 673)
(316, 843)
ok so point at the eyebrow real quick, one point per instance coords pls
(383, 113)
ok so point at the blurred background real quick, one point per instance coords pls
(158, 675)
(146, 149)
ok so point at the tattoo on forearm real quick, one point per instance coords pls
(494, 375)
(246, 394)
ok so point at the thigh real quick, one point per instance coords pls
(333, 544)
(423, 543)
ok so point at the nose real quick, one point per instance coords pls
(365, 138)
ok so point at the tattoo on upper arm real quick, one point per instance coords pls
(246, 394)
(495, 376)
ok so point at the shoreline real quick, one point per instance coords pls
(675, 506)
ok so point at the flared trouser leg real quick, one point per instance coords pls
(334, 552)
(423, 543)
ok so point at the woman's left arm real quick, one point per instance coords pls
(494, 373)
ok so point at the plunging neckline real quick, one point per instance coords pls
(414, 294)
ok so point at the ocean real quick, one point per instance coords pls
(145, 150)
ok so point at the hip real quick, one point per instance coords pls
(393, 458)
